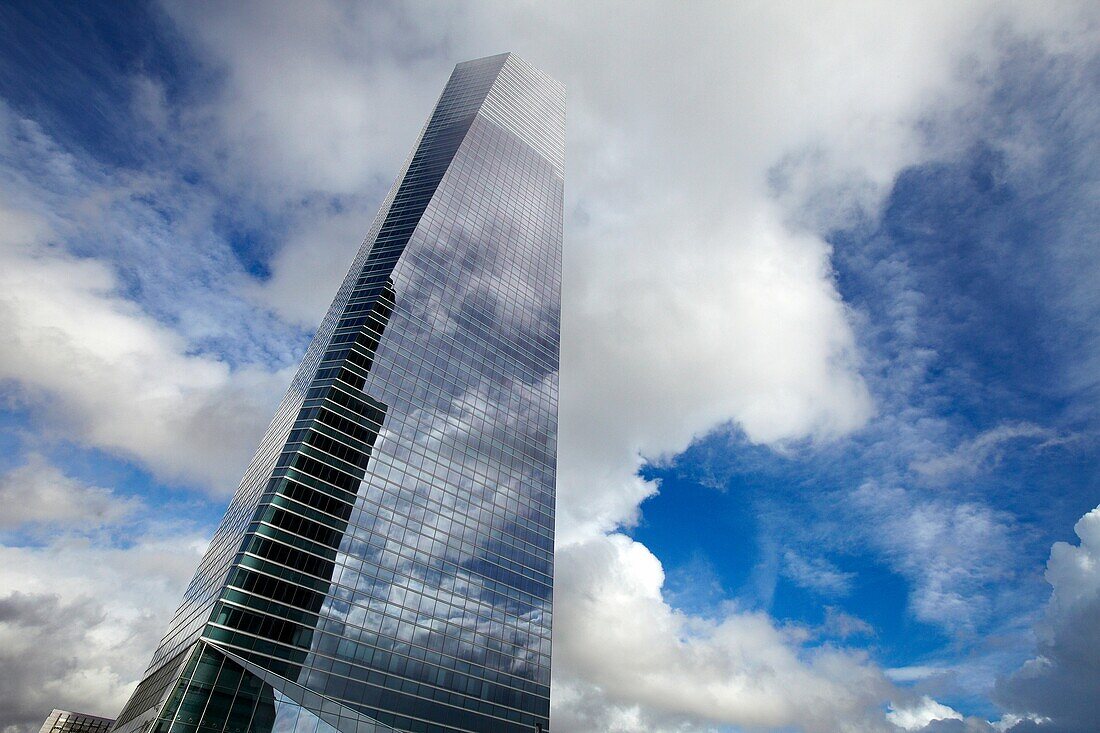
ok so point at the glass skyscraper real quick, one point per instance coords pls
(387, 561)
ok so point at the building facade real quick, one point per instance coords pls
(387, 561)
(64, 721)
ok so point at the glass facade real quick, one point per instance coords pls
(63, 721)
(387, 561)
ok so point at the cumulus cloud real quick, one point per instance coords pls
(926, 715)
(103, 372)
(748, 307)
(627, 659)
(38, 667)
(753, 331)
(921, 713)
(317, 249)
(689, 251)
(79, 618)
(1062, 682)
(312, 99)
(38, 493)
(959, 725)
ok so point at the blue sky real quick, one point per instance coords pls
(831, 362)
(974, 325)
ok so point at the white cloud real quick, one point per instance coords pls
(659, 356)
(1073, 571)
(103, 372)
(1009, 721)
(692, 295)
(980, 452)
(914, 673)
(38, 493)
(843, 625)
(79, 618)
(39, 669)
(317, 250)
(314, 98)
(1062, 683)
(615, 634)
(950, 552)
(921, 713)
(816, 574)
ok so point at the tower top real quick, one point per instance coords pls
(525, 100)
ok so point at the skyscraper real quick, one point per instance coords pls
(387, 561)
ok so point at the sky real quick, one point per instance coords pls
(829, 441)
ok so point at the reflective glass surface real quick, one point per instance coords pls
(390, 550)
(64, 721)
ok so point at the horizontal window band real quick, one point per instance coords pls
(340, 418)
(321, 497)
(290, 557)
(270, 628)
(342, 443)
(291, 538)
(316, 453)
(274, 589)
(258, 604)
(312, 530)
(294, 577)
(305, 478)
(297, 460)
